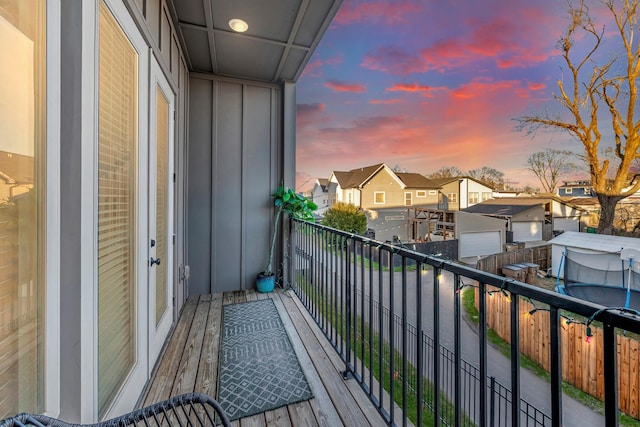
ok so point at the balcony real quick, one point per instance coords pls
(377, 326)
(190, 363)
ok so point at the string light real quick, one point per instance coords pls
(589, 332)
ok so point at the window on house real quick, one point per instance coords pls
(452, 197)
(22, 189)
(421, 193)
(568, 190)
(378, 198)
(408, 199)
(473, 197)
(486, 195)
(117, 195)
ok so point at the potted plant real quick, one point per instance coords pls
(297, 206)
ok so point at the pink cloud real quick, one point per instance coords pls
(393, 60)
(309, 113)
(387, 12)
(408, 87)
(315, 67)
(534, 86)
(386, 101)
(339, 86)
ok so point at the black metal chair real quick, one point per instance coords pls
(193, 409)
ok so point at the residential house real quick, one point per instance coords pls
(532, 218)
(147, 136)
(573, 189)
(581, 194)
(461, 192)
(323, 194)
(378, 187)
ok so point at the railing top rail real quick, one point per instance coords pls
(616, 316)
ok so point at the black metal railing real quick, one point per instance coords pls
(399, 331)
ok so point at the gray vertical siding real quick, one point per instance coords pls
(199, 188)
(233, 168)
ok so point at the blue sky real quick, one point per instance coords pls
(423, 84)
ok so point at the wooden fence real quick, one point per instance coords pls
(540, 255)
(582, 360)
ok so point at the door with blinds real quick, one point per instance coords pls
(121, 191)
(161, 237)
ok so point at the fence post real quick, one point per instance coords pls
(492, 411)
(347, 371)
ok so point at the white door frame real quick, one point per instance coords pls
(158, 332)
(137, 378)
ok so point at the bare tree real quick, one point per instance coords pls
(549, 166)
(446, 172)
(597, 80)
(490, 176)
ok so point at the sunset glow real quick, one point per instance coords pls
(425, 84)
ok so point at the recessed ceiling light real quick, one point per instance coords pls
(238, 25)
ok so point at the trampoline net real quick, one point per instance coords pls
(605, 269)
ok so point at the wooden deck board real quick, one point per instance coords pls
(190, 363)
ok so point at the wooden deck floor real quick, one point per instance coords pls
(190, 363)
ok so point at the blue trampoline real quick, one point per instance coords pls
(610, 279)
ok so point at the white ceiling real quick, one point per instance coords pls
(282, 36)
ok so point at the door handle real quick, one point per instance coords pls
(154, 261)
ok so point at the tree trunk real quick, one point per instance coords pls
(607, 212)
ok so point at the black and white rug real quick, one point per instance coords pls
(259, 369)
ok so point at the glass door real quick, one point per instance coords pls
(161, 171)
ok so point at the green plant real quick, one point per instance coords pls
(295, 205)
(346, 217)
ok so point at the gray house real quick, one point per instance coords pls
(154, 133)
(532, 218)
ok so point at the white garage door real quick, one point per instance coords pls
(480, 243)
(527, 231)
(566, 224)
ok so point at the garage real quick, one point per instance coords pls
(527, 231)
(566, 224)
(479, 244)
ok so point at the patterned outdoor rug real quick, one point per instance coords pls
(259, 369)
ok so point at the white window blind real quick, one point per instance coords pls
(117, 183)
(161, 201)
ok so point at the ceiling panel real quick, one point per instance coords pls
(311, 25)
(281, 37)
(259, 59)
(272, 20)
(198, 49)
(292, 64)
(191, 12)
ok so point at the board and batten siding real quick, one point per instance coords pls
(235, 163)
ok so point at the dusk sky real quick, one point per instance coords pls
(423, 84)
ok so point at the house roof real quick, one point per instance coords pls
(323, 182)
(16, 168)
(501, 209)
(281, 37)
(415, 180)
(439, 182)
(356, 177)
(509, 206)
